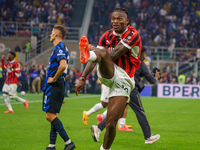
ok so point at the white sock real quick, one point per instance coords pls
(67, 142)
(104, 114)
(7, 101)
(18, 98)
(92, 56)
(122, 122)
(101, 148)
(95, 108)
(51, 145)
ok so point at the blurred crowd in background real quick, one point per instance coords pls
(159, 22)
(162, 23)
(35, 13)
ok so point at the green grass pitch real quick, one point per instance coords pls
(176, 120)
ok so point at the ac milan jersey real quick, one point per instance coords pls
(130, 38)
(12, 69)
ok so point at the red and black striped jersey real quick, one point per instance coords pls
(13, 71)
(130, 38)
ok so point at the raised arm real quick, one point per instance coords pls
(2, 62)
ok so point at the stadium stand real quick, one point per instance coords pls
(170, 30)
(159, 20)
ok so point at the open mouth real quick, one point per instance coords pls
(115, 26)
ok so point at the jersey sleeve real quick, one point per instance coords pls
(16, 68)
(61, 53)
(146, 73)
(131, 39)
(102, 41)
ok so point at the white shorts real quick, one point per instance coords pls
(104, 93)
(120, 84)
(11, 89)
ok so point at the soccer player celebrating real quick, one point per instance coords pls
(54, 88)
(11, 82)
(136, 103)
(121, 45)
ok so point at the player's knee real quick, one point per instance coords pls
(50, 117)
(104, 53)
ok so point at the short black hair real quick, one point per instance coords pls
(123, 10)
(12, 53)
(143, 50)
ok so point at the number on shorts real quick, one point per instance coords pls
(126, 89)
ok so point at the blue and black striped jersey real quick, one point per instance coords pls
(59, 53)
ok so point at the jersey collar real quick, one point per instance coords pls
(117, 34)
(12, 61)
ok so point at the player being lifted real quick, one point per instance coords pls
(11, 82)
(118, 59)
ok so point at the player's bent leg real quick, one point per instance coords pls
(106, 66)
(25, 102)
(13, 95)
(116, 106)
(100, 56)
(95, 108)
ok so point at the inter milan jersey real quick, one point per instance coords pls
(130, 38)
(13, 71)
(60, 52)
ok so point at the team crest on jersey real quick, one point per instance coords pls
(128, 39)
(60, 52)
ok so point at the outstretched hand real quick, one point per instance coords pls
(78, 86)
